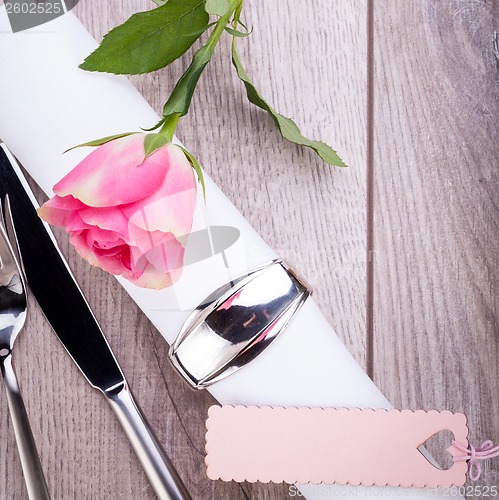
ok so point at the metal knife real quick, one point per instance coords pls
(54, 287)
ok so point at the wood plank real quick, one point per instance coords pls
(312, 214)
(435, 220)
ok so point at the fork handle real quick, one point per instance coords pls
(32, 469)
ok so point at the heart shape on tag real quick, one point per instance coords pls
(436, 449)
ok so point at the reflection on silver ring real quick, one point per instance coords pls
(236, 323)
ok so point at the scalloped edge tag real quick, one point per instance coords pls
(330, 446)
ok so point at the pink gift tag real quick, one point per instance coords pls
(343, 446)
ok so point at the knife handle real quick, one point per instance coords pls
(30, 461)
(158, 467)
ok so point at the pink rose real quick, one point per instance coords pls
(126, 213)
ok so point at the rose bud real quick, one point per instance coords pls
(127, 212)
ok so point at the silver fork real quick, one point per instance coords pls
(13, 309)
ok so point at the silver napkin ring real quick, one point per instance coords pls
(236, 323)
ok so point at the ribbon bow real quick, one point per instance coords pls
(475, 456)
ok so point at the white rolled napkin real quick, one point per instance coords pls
(47, 105)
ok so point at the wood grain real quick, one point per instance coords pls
(307, 70)
(435, 209)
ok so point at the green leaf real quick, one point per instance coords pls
(202, 30)
(181, 97)
(155, 126)
(287, 127)
(217, 7)
(160, 2)
(240, 22)
(237, 33)
(197, 168)
(152, 142)
(100, 142)
(150, 40)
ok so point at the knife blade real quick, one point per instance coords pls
(65, 307)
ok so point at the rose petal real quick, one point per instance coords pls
(76, 224)
(110, 264)
(108, 218)
(172, 213)
(145, 240)
(65, 203)
(116, 173)
(165, 256)
(151, 279)
(54, 216)
(115, 251)
(102, 238)
(171, 207)
(57, 211)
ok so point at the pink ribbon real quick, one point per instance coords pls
(475, 456)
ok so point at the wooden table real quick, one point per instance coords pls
(401, 247)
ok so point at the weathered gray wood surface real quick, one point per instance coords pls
(436, 192)
(423, 318)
